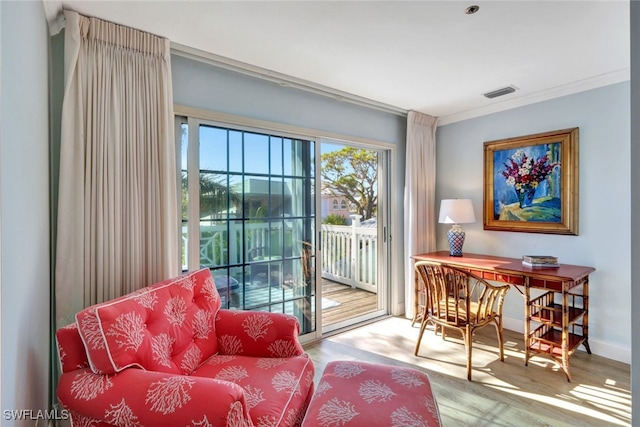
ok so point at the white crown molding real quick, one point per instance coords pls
(568, 89)
(286, 80)
(281, 79)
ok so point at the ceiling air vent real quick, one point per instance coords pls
(499, 92)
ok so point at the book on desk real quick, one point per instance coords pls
(544, 261)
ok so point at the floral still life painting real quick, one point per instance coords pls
(529, 174)
(531, 183)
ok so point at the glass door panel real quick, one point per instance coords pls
(354, 278)
(249, 217)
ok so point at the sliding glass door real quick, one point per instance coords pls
(248, 214)
(353, 214)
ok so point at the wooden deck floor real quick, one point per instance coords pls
(341, 302)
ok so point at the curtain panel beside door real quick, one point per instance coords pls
(419, 196)
(117, 225)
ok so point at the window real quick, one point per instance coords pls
(248, 215)
(335, 204)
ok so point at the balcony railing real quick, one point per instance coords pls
(349, 252)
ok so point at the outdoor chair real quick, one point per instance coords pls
(263, 268)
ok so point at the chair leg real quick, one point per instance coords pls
(417, 317)
(442, 330)
(500, 332)
(467, 344)
(423, 325)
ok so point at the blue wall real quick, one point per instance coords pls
(24, 208)
(635, 200)
(201, 85)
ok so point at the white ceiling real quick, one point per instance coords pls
(427, 56)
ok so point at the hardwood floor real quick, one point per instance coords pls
(501, 394)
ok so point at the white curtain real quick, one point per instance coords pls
(419, 196)
(117, 204)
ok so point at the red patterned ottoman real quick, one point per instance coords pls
(352, 393)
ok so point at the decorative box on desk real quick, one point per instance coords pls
(560, 326)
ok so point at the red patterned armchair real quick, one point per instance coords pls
(167, 355)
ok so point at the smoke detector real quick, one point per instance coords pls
(472, 9)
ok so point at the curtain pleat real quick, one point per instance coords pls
(117, 208)
(419, 197)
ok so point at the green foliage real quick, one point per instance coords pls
(353, 173)
(335, 219)
(215, 195)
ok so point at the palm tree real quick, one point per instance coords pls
(216, 197)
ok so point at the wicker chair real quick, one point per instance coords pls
(456, 299)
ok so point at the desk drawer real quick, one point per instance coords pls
(500, 277)
(552, 285)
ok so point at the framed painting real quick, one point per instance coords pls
(531, 183)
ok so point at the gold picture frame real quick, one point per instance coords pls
(531, 183)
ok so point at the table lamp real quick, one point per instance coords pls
(456, 212)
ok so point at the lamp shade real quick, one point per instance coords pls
(456, 211)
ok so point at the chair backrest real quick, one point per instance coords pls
(456, 296)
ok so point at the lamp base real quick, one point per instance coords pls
(456, 239)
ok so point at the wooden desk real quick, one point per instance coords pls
(560, 327)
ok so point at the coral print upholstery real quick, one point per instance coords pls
(246, 332)
(365, 394)
(167, 327)
(167, 355)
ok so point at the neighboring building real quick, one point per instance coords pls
(334, 204)
(264, 198)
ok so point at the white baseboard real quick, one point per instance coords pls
(398, 309)
(598, 347)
